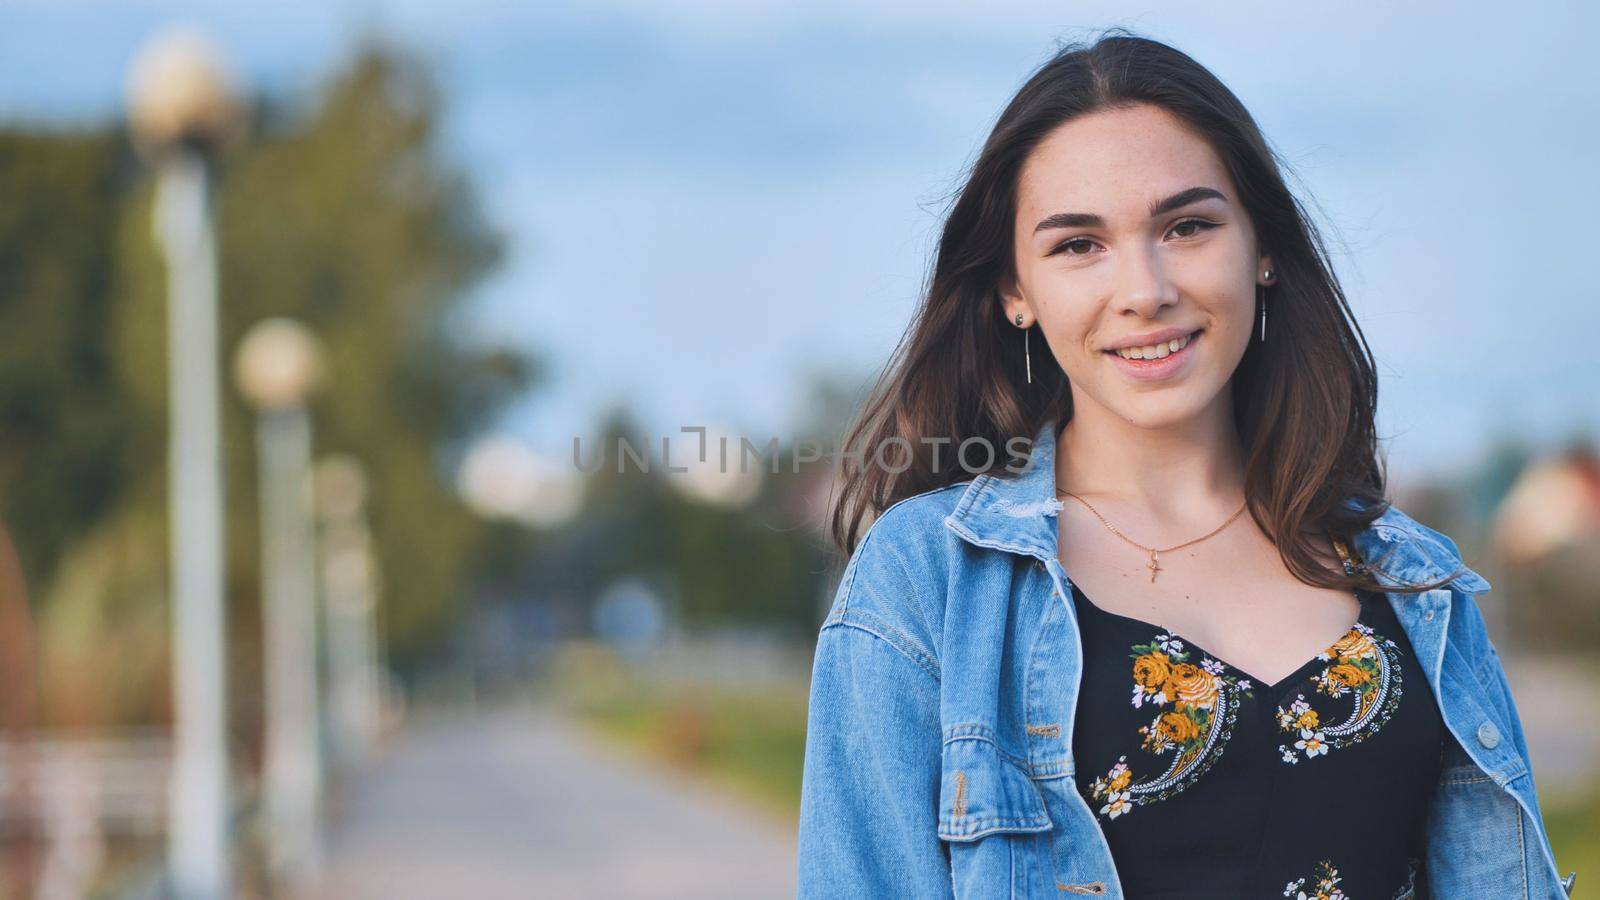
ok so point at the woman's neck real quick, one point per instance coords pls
(1168, 480)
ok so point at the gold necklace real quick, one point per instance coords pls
(1154, 565)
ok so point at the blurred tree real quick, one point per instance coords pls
(1507, 456)
(346, 215)
(352, 220)
(758, 565)
(64, 413)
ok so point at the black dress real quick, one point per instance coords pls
(1210, 786)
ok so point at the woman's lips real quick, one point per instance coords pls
(1157, 369)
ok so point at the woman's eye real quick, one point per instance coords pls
(1062, 247)
(1198, 226)
(1187, 228)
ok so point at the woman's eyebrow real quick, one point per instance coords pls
(1090, 220)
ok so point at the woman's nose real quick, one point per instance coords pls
(1145, 285)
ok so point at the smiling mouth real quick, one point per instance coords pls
(1157, 352)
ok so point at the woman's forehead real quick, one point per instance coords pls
(1116, 162)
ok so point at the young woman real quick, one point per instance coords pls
(1097, 675)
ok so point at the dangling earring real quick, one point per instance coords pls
(1262, 293)
(1027, 357)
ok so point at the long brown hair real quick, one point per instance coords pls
(1304, 403)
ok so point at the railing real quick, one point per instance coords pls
(77, 795)
(114, 783)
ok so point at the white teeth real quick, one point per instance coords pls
(1154, 351)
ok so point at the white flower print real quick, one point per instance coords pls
(1311, 743)
(1116, 804)
(1141, 694)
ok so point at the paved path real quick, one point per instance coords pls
(524, 804)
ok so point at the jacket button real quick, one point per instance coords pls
(1428, 615)
(1488, 735)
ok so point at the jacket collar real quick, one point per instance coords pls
(1017, 513)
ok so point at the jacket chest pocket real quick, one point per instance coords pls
(994, 820)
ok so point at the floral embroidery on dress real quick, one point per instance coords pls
(1325, 883)
(1362, 663)
(1204, 703)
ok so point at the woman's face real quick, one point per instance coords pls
(1097, 269)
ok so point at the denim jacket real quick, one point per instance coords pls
(939, 736)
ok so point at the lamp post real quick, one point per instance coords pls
(720, 479)
(502, 478)
(351, 605)
(277, 366)
(181, 110)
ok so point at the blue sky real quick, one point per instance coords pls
(707, 202)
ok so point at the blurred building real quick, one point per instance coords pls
(1551, 505)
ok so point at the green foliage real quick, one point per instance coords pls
(764, 565)
(65, 414)
(353, 223)
(346, 216)
(1574, 828)
(750, 739)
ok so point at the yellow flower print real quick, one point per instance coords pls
(1168, 729)
(1356, 644)
(1150, 670)
(1192, 685)
(1120, 776)
(1348, 675)
(1113, 787)
(1299, 715)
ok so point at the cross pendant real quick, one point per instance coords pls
(1154, 566)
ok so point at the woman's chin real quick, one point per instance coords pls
(1163, 410)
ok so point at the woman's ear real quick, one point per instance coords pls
(1012, 303)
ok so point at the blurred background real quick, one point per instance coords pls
(320, 328)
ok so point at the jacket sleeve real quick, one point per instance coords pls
(870, 788)
(1494, 676)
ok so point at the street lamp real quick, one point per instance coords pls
(724, 478)
(277, 366)
(181, 109)
(503, 478)
(351, 606)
